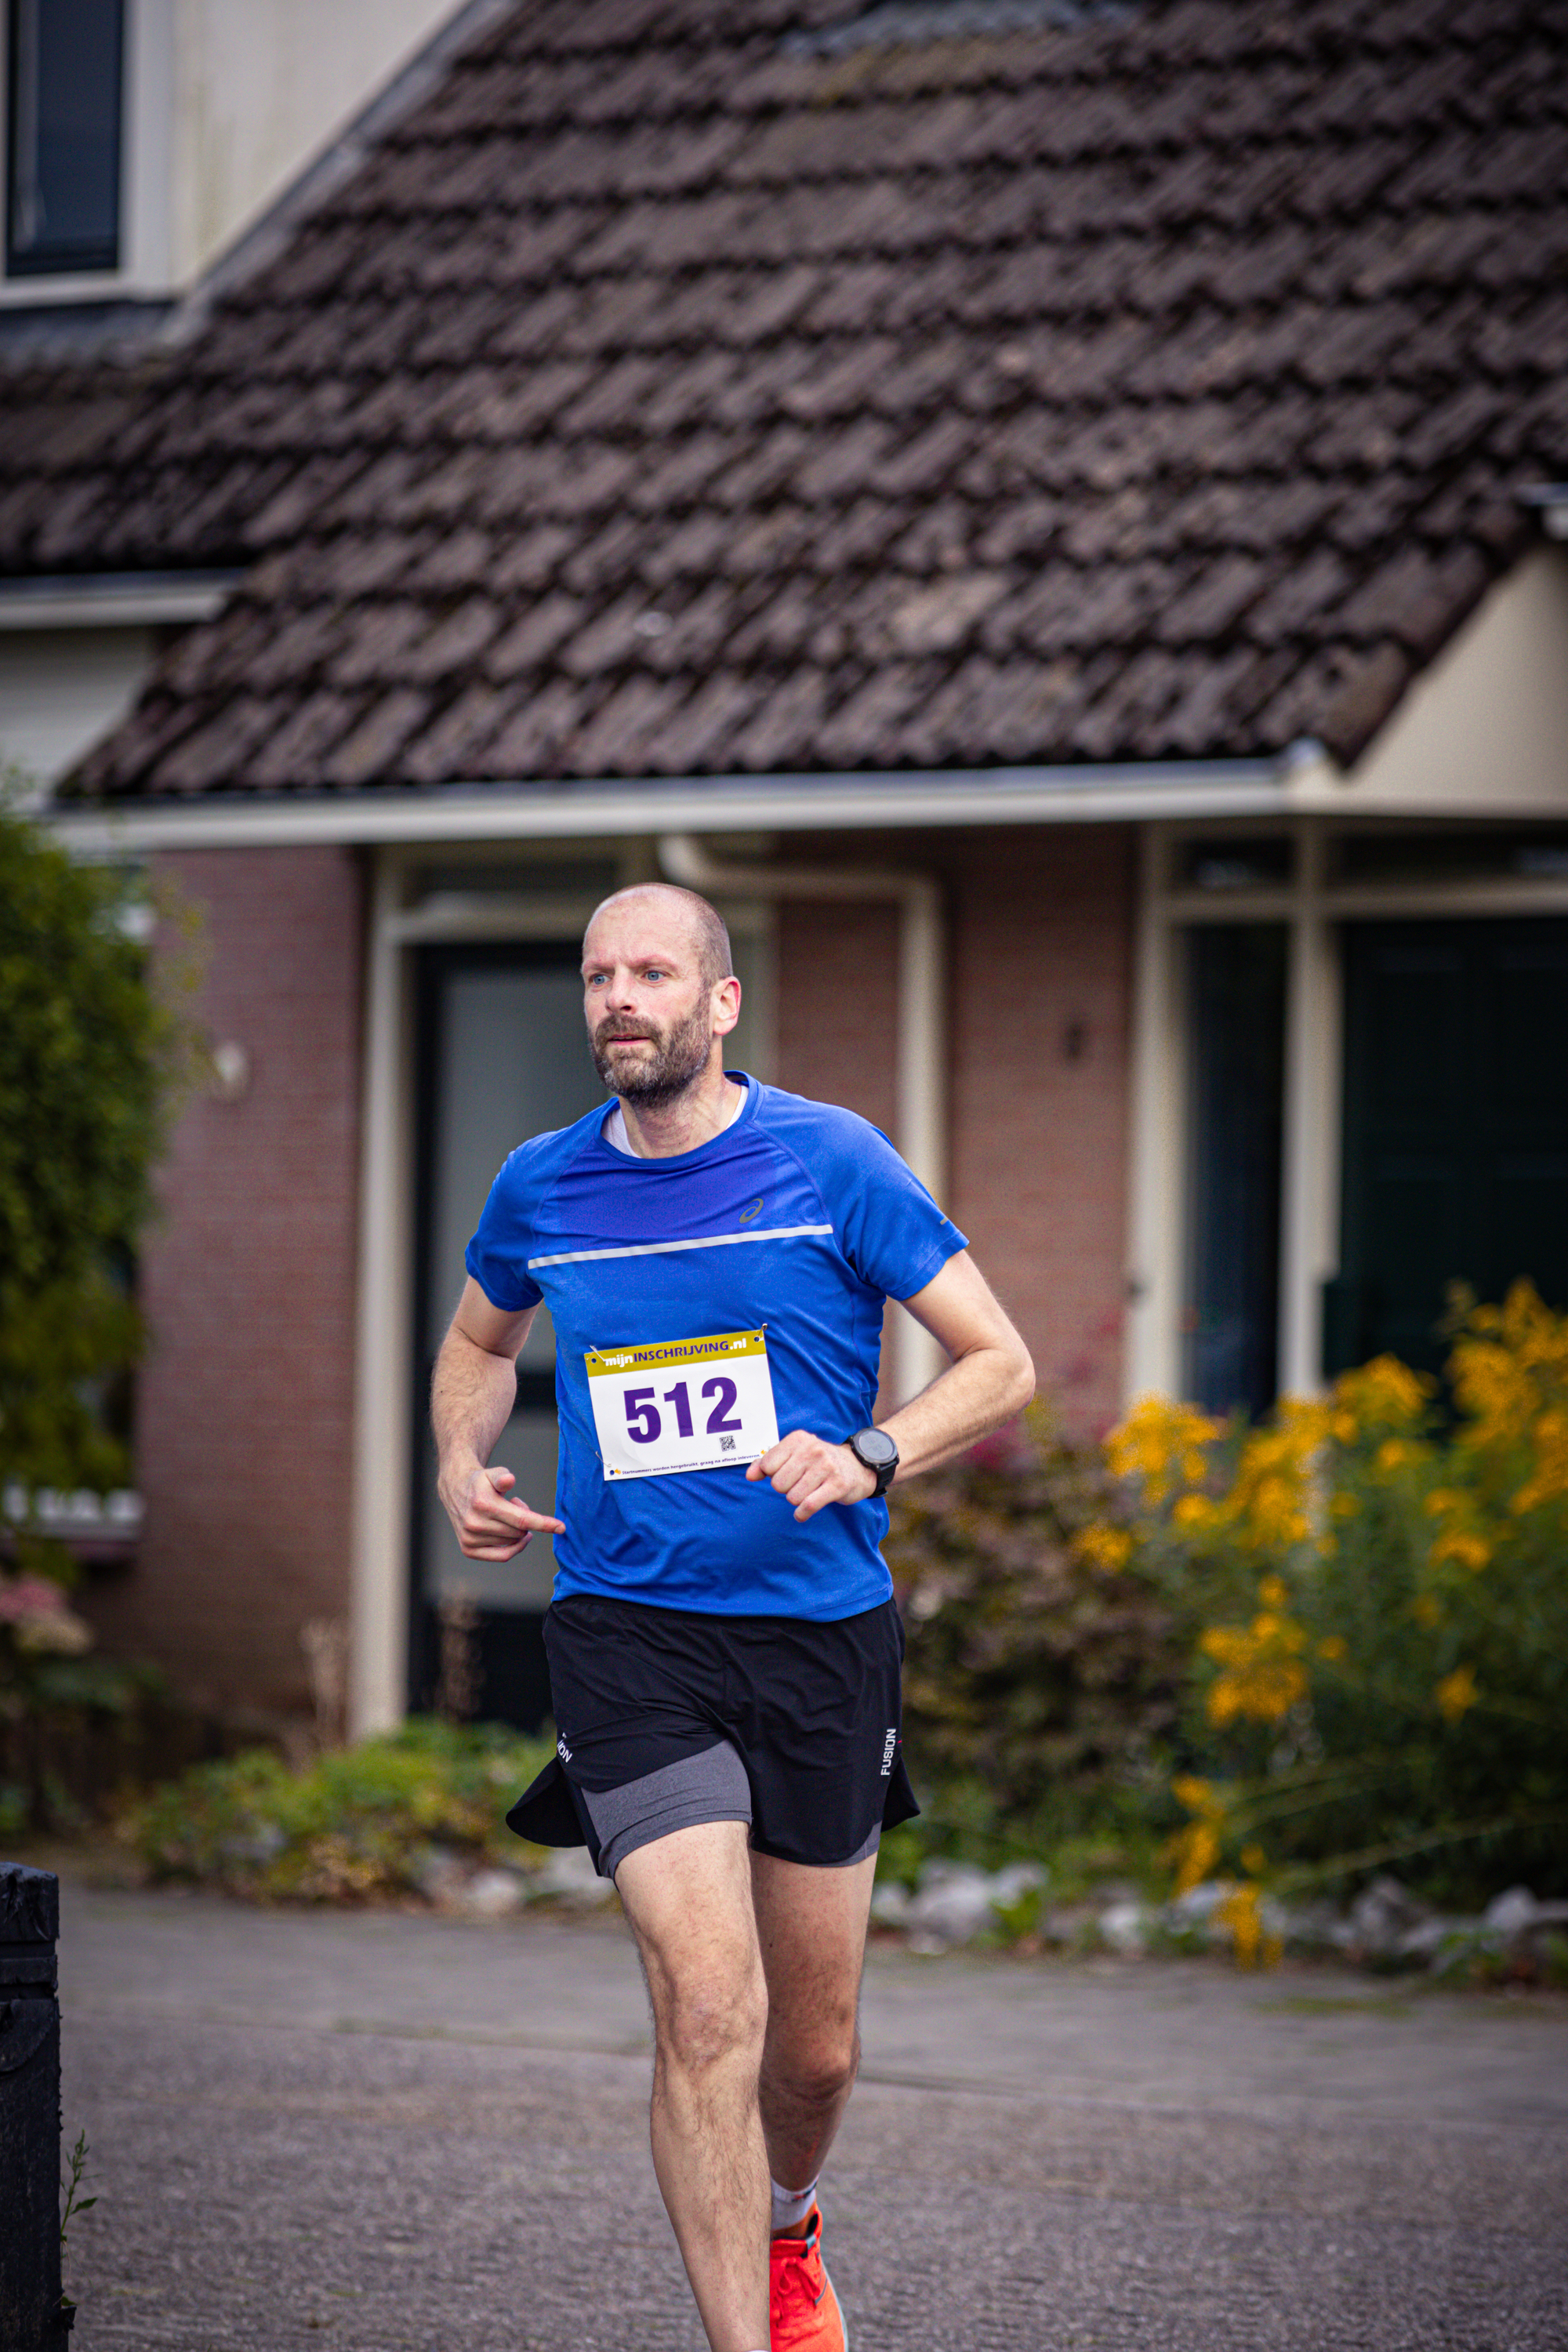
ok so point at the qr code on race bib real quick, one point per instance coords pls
(726, 1445)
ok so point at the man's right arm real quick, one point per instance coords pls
(472, 1394)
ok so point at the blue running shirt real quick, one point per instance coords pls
(799, 1219)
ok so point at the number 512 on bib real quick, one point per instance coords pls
(682, 1404)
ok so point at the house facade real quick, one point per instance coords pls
(1050, 515)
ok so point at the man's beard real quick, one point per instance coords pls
(680, 1057)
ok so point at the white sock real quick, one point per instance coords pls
(791, 2206)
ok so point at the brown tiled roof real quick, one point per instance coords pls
(692, 388)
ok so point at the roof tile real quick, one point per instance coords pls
(375, 743)
(534, 637)
(453, 746)
(782, 731)
(1339, 695)
(855, 734)
(537, 737)
(1303, 600)
(455, 642)
(699, 735)
(1413, 597)
(1208, 605)
(450, 560)
(215, 757)
(295, 751)
(622, 734)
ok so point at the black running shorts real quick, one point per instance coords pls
(668, 1717)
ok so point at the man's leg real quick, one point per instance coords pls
(689, 1898)
(811, 1924)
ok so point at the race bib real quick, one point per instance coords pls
(682, 1404)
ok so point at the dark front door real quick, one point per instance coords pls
(1456, 1127)
(502, 1055)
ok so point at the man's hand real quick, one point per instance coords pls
(810, 1474)
(487, 1525)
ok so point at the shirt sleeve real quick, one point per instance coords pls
(497, 1256)
(887, 1224)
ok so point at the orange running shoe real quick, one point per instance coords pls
(803, 2315)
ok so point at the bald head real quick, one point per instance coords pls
(698, 923)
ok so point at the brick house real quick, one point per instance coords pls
(1049, 510)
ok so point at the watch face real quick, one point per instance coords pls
(875, 1447)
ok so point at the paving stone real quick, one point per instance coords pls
(413, 2131)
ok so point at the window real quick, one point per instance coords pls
(65, 63)
(1236, 997)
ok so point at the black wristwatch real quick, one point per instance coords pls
(876, 1450)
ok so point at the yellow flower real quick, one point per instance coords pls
(1385, 1393)
(1103, 1546)
(1266, 1693)
(1272, 1592)
(1254, 1859)
(1240, 1915)
(1197, 1852)
(1393, 1453)
(1456, 1693)
(1261, 1677)
(1160, 1443)
(1198, 1796)
(1333, 1645)
(1427, 1609)
(1192, 1510)
(1471, 1552)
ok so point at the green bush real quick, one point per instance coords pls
(91, 1054)
(1042, 1680)
(358, 1825)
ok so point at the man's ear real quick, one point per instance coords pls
(726, 1004)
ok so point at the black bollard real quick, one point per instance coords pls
(32, 2316)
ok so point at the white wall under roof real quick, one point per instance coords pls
(60, 689)
(260, 86)
(1485, 730)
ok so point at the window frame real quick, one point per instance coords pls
(1314, 906)
(99, 257)
(143, 268)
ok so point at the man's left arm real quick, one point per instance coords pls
(990, 1379)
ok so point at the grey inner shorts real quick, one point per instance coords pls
(708, 1787)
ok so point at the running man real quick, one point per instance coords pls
(724, 1649)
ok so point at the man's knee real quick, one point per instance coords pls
(819, 2066)
(712, 2016)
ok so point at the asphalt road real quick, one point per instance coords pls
(374, 2131)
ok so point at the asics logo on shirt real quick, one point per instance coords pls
(755, 1210)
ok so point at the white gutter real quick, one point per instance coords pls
(1114, 792)
(921, 1051)
(115, 600)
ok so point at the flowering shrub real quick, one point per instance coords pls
(1382, 1671)
(37, 1621)
(1042, 1672)
(54, 1701)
